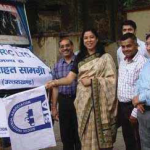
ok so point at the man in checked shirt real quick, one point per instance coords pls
(66, 96)
(129, 70)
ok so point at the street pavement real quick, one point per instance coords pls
(119, 145)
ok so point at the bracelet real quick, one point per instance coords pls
(52, 106)
(56, 82)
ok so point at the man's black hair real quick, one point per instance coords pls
(65, 38)
(147, 36)
(128, 36)
(130, 23)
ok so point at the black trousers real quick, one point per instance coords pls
(6, 142)
(130, 132)
(68, 123)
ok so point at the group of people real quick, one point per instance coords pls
(85, 86)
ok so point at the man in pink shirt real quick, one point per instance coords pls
(129, 69)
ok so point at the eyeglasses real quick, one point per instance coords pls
(147, 43)
(65, 46)
(147, 36)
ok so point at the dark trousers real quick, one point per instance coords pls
(130, 131)
(144, 129)
(6, 142)
(68, 123)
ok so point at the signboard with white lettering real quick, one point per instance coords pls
(29, 120)
(20, 68)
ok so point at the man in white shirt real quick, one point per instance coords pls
(129, 26)
(142, 96)
(129, 69)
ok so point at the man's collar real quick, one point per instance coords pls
(138, 40)
(72, 59)
(134, 59)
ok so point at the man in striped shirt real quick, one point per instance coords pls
(66, 96)
(129, 69)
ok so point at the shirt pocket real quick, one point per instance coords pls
(131, 76)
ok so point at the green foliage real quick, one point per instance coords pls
(128, 3)
(135, 3)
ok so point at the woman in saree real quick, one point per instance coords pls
(95, 102)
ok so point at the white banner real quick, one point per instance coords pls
(3, 121)
(29, 120)
(20, 68)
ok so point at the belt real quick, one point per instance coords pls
(126, 103)
(147, 108)
(67, 95)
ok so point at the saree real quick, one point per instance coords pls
(96, 105)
